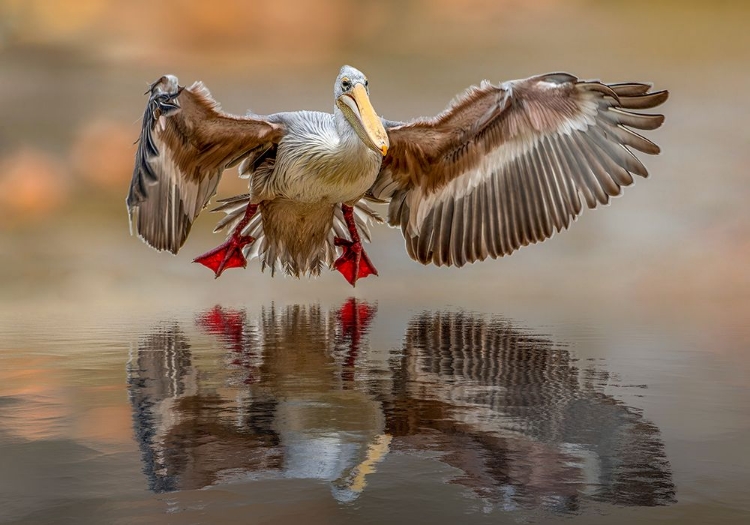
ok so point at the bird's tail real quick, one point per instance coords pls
(292, 257)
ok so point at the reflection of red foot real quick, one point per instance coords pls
(228, 255)
(354, 318)
(354, 263)
(227, 324)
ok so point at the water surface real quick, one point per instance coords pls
(598, 377)
(371, 412)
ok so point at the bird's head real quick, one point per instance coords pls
(353, 99)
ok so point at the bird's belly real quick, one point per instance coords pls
(347, 189)
(330, 183)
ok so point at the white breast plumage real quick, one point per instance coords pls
(342, 167)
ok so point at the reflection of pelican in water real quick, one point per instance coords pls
(301, 395)
(271, 413)
(512, 411)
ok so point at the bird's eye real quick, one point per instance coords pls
(367, 83)
(346, 84)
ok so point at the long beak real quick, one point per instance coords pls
(367, 117)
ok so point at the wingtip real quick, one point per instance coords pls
(661, 95)
(132, 216)
(165, 84)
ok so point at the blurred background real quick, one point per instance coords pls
(638, 312)
(73, 73)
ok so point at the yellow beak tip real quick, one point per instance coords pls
(384, 150)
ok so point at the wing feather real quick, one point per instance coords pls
(504, 200)
(491, 234)
(445, 232)
(548, 180)
(509, 165)
(572, 196)
(494, 234)
(457, 237)
(186, 143)
(630, 89)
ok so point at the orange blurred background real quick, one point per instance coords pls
(73, 73)
(72, 78)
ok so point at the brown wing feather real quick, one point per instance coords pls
(506, 166)
(186, 143)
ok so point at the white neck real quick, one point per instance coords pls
(344, 128)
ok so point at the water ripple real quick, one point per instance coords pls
(298, 392)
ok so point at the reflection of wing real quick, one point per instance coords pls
(513, 409)
(504, 165)
(158, 375)
(186, 143)
(180, 423)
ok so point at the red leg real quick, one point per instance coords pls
(354, 263)
(229, 254)
(354, 318)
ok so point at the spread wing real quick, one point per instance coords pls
(186, 143)
(506, 166)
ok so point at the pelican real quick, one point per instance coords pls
(502, 167)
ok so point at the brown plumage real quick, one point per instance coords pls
(182, 152)
(502, 167)
(505, 166)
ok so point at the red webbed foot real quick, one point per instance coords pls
(354, 263)
(228, 255)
